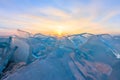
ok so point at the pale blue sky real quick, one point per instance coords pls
(67, 16)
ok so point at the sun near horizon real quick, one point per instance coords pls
(59, 18)
(59, 31)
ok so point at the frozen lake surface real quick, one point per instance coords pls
(74, 57)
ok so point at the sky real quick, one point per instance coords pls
(60, 16)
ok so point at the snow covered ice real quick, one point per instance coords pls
(74, 57)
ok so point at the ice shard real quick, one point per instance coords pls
(111, 42)
(79, 39)
(6, 51)
(22, 52)
(33, 47)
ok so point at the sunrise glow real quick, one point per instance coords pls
(56, 18)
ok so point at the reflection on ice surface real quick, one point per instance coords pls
(74, 57)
